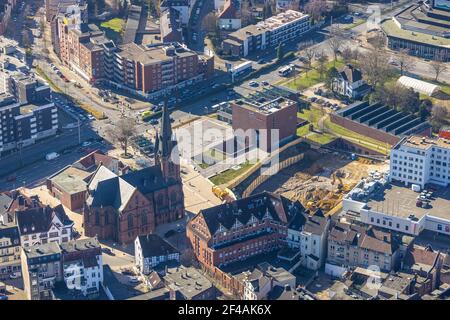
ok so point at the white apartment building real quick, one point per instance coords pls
(420, 160)
(82, 265)
(283, 27)
(309, 234)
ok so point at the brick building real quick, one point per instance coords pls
(121, 208)
(69, 185)
(241, 229)
(264, 119)
(160, 67)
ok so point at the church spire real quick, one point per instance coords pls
(165, 135)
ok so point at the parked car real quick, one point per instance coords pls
(86, 143)
(108, 251)
(253, 84)
(264, 83)
(14, 275)
(133, 279)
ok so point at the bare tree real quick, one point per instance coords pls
(310, 53)
(316, 9)
(438, 66)
(246, 13)
(378, 41)
(322, 60)
(347, 54)
(335, 42)
(375, 67)
(438, 117)
(404, 61)
(209, 22)
(122, 133)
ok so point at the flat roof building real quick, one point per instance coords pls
(269, 33)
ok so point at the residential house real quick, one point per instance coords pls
(229, 17)
(151, 250)
(349, 82)
(309, 233)
(354, 245)
(261, 281)
(43, 224)
(424, 264)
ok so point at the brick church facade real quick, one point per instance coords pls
(120, 208)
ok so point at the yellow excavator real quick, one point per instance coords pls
(222, 194)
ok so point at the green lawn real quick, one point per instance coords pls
(113, 28)
(314, 114)
(310, 78)
(230, 174)
(322, 138)
(356, 137)
(303, 131)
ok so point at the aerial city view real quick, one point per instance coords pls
(227, 150)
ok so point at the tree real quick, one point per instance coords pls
(332, 73)
(425, 109)
(310, 53)
(398, 97)
(335, 42)
(347, 55)
(322, 60)
(280, 51)
(316, 9)
(375, 67)
(378, 41)
(122, 133)
(438, 117)
(438, 66)
(404, 61)
(209, 22)
(246, 13)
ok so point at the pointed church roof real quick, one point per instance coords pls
(165, 135)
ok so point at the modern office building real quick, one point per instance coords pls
(421, 161)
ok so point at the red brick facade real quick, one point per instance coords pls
(284, 120)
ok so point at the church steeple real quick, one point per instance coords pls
(165, 136)
(164, 144)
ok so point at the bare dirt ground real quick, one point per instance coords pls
(313, 180)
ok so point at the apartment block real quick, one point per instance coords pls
(283, 27)
(82, 265)
(24, 124)
(155, 68)
(78, 264)
(41, 269)
(9, 250)
(421, 160)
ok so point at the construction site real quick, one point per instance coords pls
(322, 179)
